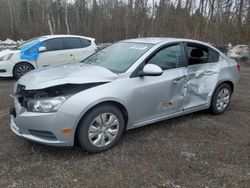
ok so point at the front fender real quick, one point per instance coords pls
(80, 103)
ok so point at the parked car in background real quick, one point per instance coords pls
(239, 52)
(44, 51)
(129, 84)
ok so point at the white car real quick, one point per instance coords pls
(52, 49)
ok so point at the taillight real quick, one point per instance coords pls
(238, 66)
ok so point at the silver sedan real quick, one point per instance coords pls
(129, 84)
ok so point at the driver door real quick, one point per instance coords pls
(159, 96)
(54, 54)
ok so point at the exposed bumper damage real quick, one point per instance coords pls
(23, 95)
(45, 128)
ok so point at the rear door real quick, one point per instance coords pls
(54, 53)
(78, 49)
(202, 74)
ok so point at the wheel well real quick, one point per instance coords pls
(20, 63)
(229, 83)
(114, 103)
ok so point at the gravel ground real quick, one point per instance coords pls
(196, 150)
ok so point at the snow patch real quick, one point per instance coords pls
(238, 52)
(8, 42)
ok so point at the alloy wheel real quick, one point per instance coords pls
(223, 98)
(23, 69)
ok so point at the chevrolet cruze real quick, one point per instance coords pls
(129, 84)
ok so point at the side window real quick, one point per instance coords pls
(199, 54)
(168, 58)
(73, 43)
(54, 44)
(213, 56)
(85, 43)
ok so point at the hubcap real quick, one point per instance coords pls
(22, 70)
(223, 99)
(103, 129)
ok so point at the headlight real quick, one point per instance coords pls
(46, 105)
(6, 57)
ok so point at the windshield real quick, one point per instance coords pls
(27, 43)
(119, 56)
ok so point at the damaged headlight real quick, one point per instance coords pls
(46, 105)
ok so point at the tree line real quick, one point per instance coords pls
(215, 21)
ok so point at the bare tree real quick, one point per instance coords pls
(217, 21)
(66, 16)
(11, 17)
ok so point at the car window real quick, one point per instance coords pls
(85, 43)
(119, 56)
(73, 43)
(168, 58)
(199, 54)
(54, 44)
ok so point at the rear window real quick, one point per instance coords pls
(73, 43)
(54, 44)
(213, 56)
(85, 43)
(199, 54)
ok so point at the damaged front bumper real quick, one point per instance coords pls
(44, 128)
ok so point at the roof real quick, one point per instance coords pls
(156, 40)
(149, 40)
(59, 36)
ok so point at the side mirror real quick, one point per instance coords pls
(151, 70)
(42, 49)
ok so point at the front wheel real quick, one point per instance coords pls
(101, 128)
(21, 69)
(221, 99)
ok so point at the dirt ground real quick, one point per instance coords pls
(196, 150)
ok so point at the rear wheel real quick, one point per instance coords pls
(100, 129)
(221, 99)
(21, 69)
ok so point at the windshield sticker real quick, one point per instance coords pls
(139, 47)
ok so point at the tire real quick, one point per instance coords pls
(220, 107)
(21, 69)
(93, 135)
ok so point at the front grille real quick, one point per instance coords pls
(43, 134)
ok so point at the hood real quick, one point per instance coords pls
(71, 73)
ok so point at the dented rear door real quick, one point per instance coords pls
(200, 84)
